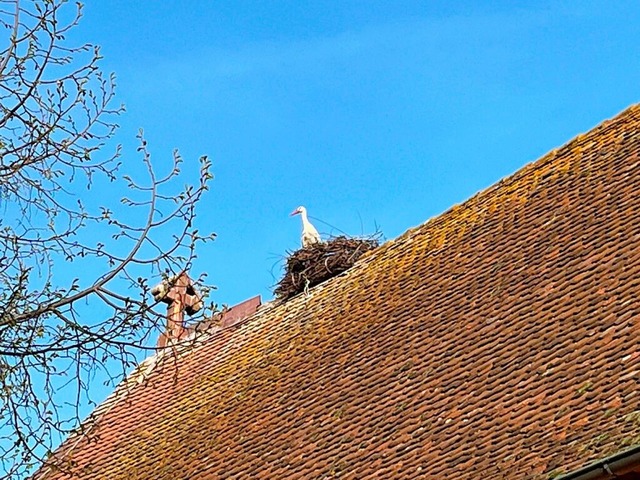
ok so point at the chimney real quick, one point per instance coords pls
(234, 315)
(180, 296)
(229, 316)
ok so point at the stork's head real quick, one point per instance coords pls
(299, 210)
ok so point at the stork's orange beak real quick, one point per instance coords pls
(295, 212)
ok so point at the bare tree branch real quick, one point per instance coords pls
(61, 331)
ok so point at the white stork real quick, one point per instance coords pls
(309, 233)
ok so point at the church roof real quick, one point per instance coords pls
(500, 339)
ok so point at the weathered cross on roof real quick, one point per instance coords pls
(180, 295)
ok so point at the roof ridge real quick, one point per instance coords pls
(457, 213)
(121, 391)
(142, 370)
(534, 170)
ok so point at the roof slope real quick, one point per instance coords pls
(498, 340)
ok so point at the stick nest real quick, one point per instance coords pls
(312, 265)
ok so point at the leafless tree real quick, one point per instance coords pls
(59, 329)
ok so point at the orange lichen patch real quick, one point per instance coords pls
(498, 340)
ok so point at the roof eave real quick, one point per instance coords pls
(609, 467)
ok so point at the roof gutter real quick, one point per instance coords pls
(609, 467)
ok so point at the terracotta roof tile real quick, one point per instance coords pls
(498, 340)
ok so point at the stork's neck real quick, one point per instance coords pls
(305, 220)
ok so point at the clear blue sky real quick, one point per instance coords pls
(378, 112)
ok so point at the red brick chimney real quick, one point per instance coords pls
(180, 296)
(234, 315)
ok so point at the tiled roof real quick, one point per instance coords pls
(498, 340)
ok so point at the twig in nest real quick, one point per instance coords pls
(312, 265)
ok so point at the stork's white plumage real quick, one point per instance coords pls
(309, 233)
